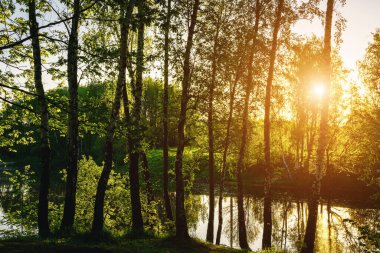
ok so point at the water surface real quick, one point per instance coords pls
(335, 232)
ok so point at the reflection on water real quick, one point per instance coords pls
(334, 233)
(2, 226)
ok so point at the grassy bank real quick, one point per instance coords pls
(166, 245)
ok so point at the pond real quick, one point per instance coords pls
(339, 228)
(336, 231)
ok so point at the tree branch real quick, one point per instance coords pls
(18, 105)
(19, 42)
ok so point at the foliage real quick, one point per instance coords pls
(19, 203)
(117, 207)
(369, 239)
(369, 66)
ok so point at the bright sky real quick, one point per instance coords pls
(363, 17)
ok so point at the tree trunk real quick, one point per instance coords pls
(309, 240)
(98, 220)
(225, 153)
(267, 231)
(181, 222)
(329, 223)
(310, 141)
(43, 204)
(72, 170)
(240, 164)
(231, 222)
(148, 187)
(298, 221)
(147, 177)
(211, 160)
(136, 136)
(168, 209)
(311, 226)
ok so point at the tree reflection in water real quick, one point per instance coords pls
(334, 232)
(339, 228)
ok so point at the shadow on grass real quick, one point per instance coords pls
(103, 243)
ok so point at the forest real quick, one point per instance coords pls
(189, 126)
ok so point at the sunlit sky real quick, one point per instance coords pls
(363, 17)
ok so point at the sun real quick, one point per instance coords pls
(318, 90)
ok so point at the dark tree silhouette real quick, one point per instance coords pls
(311, 226)
(181, 222)
(43, 203)
(98, 220)
(244, 132)
(267, 231)
(168, 209)
(72, 169)
(136, 136)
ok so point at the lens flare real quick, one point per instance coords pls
(318, 90)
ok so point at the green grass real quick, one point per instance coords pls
(155, 160)
(147, 245)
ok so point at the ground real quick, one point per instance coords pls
(167, 245)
